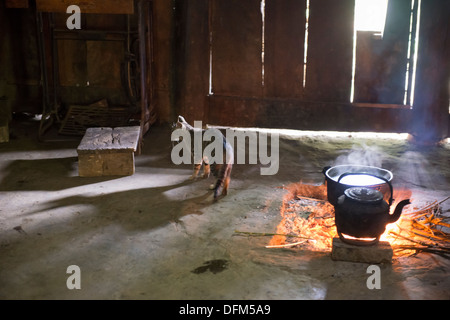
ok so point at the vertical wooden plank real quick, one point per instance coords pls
(194, 73)
(236, 47)
(103, 60)
(284, 47)
(367, 68)
(330, 50)
(162, 30)
(381, 61)
(395, 41)
(236, 111)
(431, 95)
(72, 63)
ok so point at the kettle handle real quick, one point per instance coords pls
(372, 175)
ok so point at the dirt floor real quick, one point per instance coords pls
(155, 235)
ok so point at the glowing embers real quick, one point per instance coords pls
(358, 241)
(307, 219)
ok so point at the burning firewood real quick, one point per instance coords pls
(424, 230)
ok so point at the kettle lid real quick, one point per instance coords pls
(364, 195)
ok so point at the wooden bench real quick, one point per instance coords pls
(108, 151)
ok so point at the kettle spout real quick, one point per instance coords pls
(398, 210)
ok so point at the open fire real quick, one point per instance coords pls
(307, 222)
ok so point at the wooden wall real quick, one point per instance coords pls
(190, 38)
(242, 95)
(89, 65)
(19, 59)
(89, 60)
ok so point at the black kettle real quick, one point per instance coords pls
(362, 212)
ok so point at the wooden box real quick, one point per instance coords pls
(108, 151)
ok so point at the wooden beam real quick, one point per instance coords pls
(97, 6)
(17, 3)
(306, 115)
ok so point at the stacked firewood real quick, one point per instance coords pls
(424, 230)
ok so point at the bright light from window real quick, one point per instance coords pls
(370, 15)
